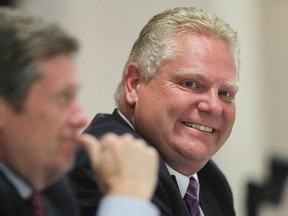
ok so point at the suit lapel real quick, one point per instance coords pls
(167, 195)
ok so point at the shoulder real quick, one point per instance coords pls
(211, 174)
(104, 123)
(215, 189)
(6, 189)
(11, 203)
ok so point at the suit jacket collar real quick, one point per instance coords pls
(167, 193)
(22, 188)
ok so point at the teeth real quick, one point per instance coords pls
(199, 127)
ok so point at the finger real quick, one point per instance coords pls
(93, 149)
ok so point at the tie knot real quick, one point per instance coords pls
(37, 204)
(35, 196)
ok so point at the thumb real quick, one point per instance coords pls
(93, 148)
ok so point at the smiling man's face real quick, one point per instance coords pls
(187, 110)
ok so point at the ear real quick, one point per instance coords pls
(132, 81)
(3, 111)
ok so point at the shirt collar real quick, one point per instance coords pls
(182, 180)
(125, 119)
(23, 189)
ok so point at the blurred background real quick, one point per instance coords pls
(256, 153)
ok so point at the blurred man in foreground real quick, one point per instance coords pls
(39, 122)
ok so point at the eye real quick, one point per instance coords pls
(190, 84)
(227, 95)
(65, 97)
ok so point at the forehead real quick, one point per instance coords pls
(57, 71)
(212, 47)
(205, 52)
(203, 57)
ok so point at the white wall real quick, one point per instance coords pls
(107, 30)
(274, 16)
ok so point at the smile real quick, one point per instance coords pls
(199, 127)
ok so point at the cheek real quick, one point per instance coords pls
(230, 115)
(229, 118)
(48, 134)
(163, 104)
(163, 108)
(178, 102)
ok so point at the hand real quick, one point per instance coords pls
(124, 165)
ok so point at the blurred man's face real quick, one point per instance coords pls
(187, 110)
(43, 135)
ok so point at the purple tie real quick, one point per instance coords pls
(191, 198)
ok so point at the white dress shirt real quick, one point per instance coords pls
(183, 182)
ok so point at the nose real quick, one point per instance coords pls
(79, 118)
(211, 103)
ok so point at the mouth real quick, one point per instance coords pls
(199, 127)
(70, 139)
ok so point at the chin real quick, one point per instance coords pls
(70, 163)
(66, 165)
(202, 155)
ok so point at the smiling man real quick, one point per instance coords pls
(178, 93)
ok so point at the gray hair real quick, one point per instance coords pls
(157, 41)
(24, 40)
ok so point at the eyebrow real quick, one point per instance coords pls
(188, 73)
(234, 86)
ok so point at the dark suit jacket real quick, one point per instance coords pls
(215, 194)
(58, 200)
